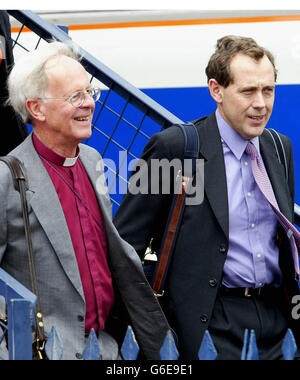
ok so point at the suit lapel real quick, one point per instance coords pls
(45, 203)
(214, 171)
(276, 174)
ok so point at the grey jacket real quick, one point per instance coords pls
(61, 293)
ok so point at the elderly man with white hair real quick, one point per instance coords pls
(88, 277)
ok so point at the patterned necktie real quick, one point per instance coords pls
(263, 182)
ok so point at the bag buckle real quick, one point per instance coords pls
(40, 349)
(156, 294)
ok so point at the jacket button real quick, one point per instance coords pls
(80, 318)
(223, 248)
(79, 356)
(203, 318)
(213, 282)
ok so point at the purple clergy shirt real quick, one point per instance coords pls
(252, 259)
(87, 231)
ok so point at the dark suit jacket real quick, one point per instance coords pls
(200, 253)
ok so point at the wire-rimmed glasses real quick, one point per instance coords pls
(77, 98)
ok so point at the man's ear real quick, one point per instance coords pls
(36, 109)
(216, 90)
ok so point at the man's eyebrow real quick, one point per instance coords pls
(248, 88)
(79, 90)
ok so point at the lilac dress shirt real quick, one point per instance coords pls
(252, 259)
(87, 232)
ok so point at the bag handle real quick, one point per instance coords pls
(19, 180)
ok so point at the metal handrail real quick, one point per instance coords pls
(98, 70)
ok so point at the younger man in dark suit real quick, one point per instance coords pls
(232, 267)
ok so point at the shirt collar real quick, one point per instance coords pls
(52, 156)
(235, 142)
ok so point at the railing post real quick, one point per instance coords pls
(19, 329)
(169, 350)
(250, 350)
(289, 347)
(54, 346)
(20, 304)
(207, 350)
(130, 348)
(92, 349)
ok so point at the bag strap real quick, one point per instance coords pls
(191, 151)
(282, 160)
(279, 150)
(19, 181)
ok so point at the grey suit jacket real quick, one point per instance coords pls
(60, 287)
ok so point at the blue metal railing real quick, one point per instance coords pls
(17, 331)
(19, 309)
(125, 118)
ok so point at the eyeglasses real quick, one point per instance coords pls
(77, 98)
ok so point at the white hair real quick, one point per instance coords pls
(28, 78)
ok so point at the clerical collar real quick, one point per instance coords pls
(70, 161)
(52, 156)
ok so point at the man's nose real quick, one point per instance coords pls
(259, 100)
(88, 101)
